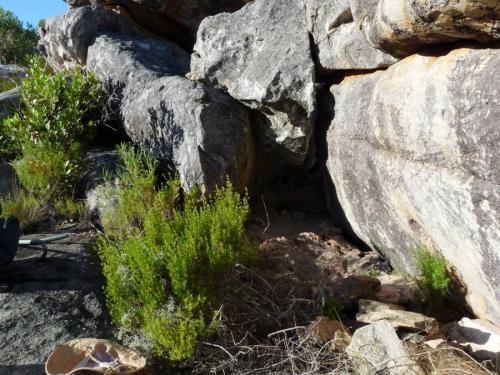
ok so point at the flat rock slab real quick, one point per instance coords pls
(373, 311)
(48, 303)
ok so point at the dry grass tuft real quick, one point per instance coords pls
(449, 360)
(263, 330)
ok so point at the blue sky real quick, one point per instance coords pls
(34, 10)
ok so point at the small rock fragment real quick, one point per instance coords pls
(376, 349)
(434, 344)
(480, 337)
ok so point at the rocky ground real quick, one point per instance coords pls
(46, 303)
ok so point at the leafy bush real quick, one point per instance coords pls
(434, 280)
(60, 109)
(17, 39)
(164, 255)
(47, 136)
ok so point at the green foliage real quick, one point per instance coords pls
(165, 254)
(333, 309)
(17, 39)
(46, 171)
(26, 207)
(7, 84)
(47, 136)
(434, 280)
(60, 109)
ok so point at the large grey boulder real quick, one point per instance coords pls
(65, 39)
(413, 154)
(197, 131)
(376, 349)
(401, 27)
(177, 20)
(10, 101)
(261, 56)
(338, 42)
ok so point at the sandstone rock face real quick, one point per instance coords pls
(9, 102)
(401, 27)
(339, 44)
(376, 349)
(65, 39)
(414, 157)
(261, 56)
(195, 130)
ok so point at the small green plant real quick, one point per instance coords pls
(374, 272)
(434, 280)
(333, 309)
(166, 253)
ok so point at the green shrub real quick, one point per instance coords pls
(47, 137)
(59, 109)
(165, 255)
(17, 39)
(434, 280)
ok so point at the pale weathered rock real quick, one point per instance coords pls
(401, 27)
(479, 337)
(376, 349)
(373, 311)
(414, 158)
(261, 56)
(197, 131)
(396, 289)
(339, 44)
(65, 39)
(10, 101)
